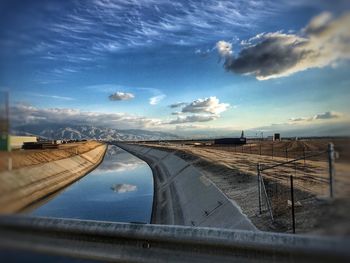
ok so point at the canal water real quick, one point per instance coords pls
(120, 189)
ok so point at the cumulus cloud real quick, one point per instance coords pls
(193, 118)
(121, 96)
(210, 105)
(27, 114)
(224, 48)
(204, 110)
(324, 41)
(156, 99)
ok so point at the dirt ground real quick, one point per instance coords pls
(235, 173)
(23, 158)
(290, 149)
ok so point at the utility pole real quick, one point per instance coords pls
(259, 185)
(331, 168)
(5, 128)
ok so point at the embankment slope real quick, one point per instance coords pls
(30, 183)
(185, 196)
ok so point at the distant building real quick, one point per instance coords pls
(233, 141)
(277, 137)
(16, 142)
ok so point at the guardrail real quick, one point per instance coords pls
(123, 242)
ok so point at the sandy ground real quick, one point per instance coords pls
(235, 174)
(23, 158)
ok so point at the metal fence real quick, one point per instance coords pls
(282, 195)
(283, 149)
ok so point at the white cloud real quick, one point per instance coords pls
(323, 42)
(327, 115)
(193, 118)
(224, 48)
(210, 105)
(206, 109)
(156, 99)
(121, 96)
(27, 114)
(96, 28)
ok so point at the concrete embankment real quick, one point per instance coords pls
(24, 186)
(184, 196)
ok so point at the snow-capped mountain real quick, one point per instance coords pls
(80, 132)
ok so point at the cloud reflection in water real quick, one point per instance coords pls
(124, 188)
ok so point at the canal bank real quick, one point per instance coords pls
(185, 196)
(22, 187)
(120, 189)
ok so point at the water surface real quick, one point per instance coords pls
(120, 189)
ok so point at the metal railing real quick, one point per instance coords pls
(124, 242)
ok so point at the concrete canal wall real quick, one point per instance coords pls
(184, 196)
(21, 187)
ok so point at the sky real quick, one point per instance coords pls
(193, 68)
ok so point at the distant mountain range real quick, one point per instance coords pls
(80, 132)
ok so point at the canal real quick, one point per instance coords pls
(120, 189)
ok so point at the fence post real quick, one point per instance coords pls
(259, 186)
(269, 207)
(260, 148)
(304, 155)
(286, 153)
(292, 197)
(272, 150)
(331, 167)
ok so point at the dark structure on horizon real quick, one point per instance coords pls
(277, 137)
(232, 141)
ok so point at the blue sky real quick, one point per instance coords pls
(253, 65)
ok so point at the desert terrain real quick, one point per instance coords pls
(234, 170)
